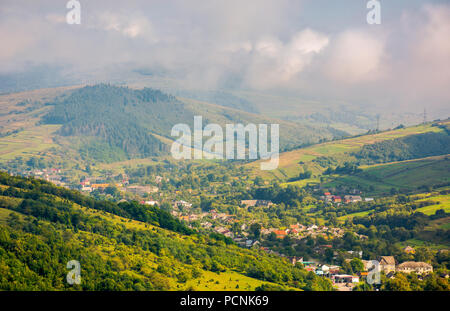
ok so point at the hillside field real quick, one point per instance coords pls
(291, 163)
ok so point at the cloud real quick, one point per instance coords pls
(273, 63)
(429, 62)
(356, 56)
(256, 44)
(129, 26)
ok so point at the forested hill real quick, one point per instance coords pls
(405, 148)
(111, 121)
(123, 246)
(120, 116)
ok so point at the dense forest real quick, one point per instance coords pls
(405, 148)
(120, 116)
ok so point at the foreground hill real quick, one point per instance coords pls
(123, 246)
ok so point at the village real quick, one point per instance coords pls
(222, 223)
(343, 282)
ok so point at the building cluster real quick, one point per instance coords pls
(53, 175)
(256, 203)
(327, 197)
(181, 210)
(346, 282)
(389, 266)
(299, 231)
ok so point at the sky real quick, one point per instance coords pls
(323, 50)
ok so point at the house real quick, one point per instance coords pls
(367, 264)
(417, 267)
(151, 203)
(294, 232)
(333, 269)
(281, 233)
(327, 198)
(409, 250)
(250, 203)
(251, 243)
(387, 264)
(297, 227)
(312, 228)
(86, 188)
(99, 186)
(265, 231)
(344, 278)
(182, 204)
(265, 203)
(229, 234)
(352, 198)
(194, 217)
(336, 199)
(206, 224)
(141, 190)
(221, 230)
(323, 270)
(356, 253)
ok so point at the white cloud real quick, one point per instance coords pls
(259, 44)
(128, 25)
(431, 53)
(274, 63)
(356, 56)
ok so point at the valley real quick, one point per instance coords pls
(146, 221)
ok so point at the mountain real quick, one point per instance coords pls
(106, 123)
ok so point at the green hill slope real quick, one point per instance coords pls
(390, 178)
(122, 246)
(394, 145)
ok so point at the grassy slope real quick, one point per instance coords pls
(441, 202)
(291, 163)
(109, 249)
(127, 256)
(407, 175)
